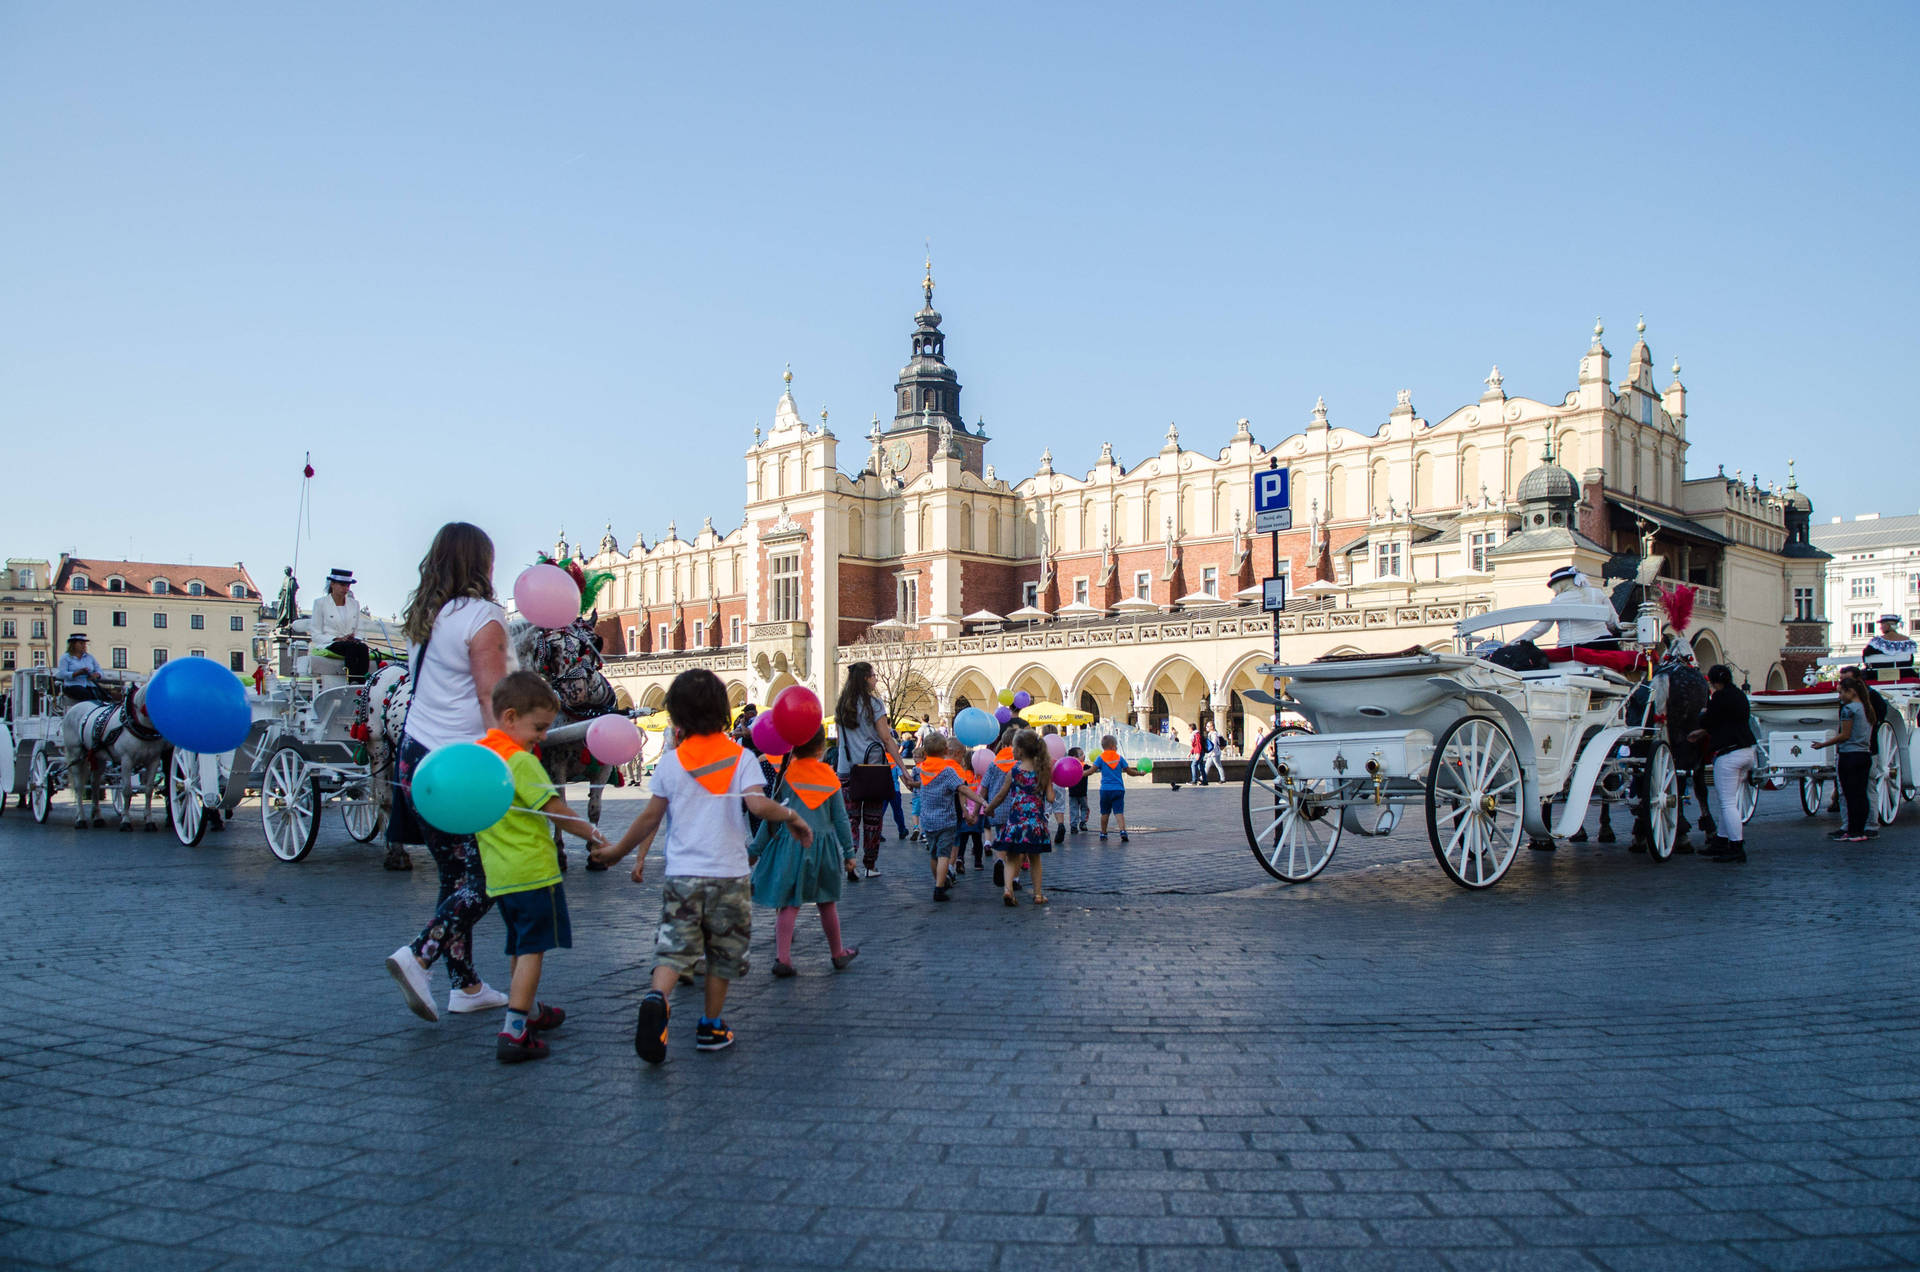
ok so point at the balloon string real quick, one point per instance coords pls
(514, 808)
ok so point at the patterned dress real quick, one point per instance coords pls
(1027, 821)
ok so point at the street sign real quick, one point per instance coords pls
(1272, 502)
(1273, 595)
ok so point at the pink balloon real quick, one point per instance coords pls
(767, 738)
(546, 596)
(614, 739)
(982, 761)
(1056, 747)
(1067, 772)
(796, 715)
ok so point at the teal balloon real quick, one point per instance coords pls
(462, 789)
(975, 727)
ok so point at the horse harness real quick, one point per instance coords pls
(103, 726)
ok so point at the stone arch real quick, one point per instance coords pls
(1469, 473)
(1337, 493)
(1086, 525)
(653, 697)
(916, 698)
(975, 686)
(736, 694)
(1176, 689)
(1036, 680)
(1707, 648)
(856, 533)
(1516, 464)
(1566, 451)
(1246, 720)
(926, 529)
(1150, 518)
(1776, 679)
(1423, 480)
(1378, 489)
(1106, 686)
(1119, 520)
(966, 527)
(1219, 516)
(781, 681)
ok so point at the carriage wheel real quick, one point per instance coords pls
(1815, 794)
(1473, 802)
(185, 809)
(40, 786)
(361, 812)
(1663, 802)
(1749, 798)
(1886, 786)
(289, 805)
(1291, 824)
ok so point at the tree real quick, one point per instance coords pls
(912, 675)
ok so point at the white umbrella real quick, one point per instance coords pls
(1194, 600)
(890, 625)
(1028, 614)
(982, 616)
(1135, 605)
(1252, 592)
(1079, 609)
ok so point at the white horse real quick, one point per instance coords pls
(97, 733)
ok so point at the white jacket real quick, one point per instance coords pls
(330, 622)
(1577, 631)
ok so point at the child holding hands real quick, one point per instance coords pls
(710, 783)
(1027, 791)
(788, 874)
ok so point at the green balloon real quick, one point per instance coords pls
(1143, 767)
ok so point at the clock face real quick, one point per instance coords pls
(898, 453)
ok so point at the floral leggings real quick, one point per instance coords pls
(867, 819)
(463, 886)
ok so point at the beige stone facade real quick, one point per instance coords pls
(1131, 589)
(26, 618)
(140, 614)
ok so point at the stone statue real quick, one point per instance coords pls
(287, 607)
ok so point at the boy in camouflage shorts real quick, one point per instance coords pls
(711, 783)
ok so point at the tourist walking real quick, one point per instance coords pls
(1853, 741)
(1214, 749)
(1026, 793)
(1077, 794)
(788, 874)
(457, 649)
(1725, 731)
(868, 752)
(1197, 758)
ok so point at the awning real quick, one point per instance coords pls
(1666, 521)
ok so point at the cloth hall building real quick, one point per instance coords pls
(1132, 589)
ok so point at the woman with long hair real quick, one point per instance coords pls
(456, 651)
(867, 752)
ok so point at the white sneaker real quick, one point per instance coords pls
(486, 998)
(414, 982)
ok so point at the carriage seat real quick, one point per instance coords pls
(328, 669)
(1625, 661)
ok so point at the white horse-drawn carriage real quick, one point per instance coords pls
(1478, 747)
(36, 750)
(1788, 721)
(305, 752)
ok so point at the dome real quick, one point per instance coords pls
(1549, 481)
(1795, 499)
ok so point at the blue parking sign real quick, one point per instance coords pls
(1272, 505)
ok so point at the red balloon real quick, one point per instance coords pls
(796, 715)
(766, 736)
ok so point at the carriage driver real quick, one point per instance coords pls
(79, 675)
(335, 624)
(1570, 584)
(1892, 643)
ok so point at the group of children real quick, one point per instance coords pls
(704, 791)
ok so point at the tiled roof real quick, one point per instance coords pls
(139, 576)
(1868, 536)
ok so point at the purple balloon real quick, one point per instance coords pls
(767, 738)
(1022, 700)
(1004, 714)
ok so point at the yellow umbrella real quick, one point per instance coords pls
(907, 724)
(1053, 713)
(655, 723)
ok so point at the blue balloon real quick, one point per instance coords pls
(198, 705)
(975, 727)
(462, 789)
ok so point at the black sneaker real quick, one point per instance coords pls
(1123, 837)
(650, 1032)
(999, 873)
(508, 1049)
(1838, 835)
(712, 1037)
(1059, 835)
(940, 894)
(1733, 853)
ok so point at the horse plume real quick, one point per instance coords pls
(1677, 601)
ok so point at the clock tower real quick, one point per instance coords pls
(926, 421)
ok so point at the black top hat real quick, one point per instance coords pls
(73, 636)
(338, 575)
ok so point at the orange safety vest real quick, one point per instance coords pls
(1112, 760)
(501, 745)
(1004, 760)
(812, 782)
(709, 759)
(930, 769)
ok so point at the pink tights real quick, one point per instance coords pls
(783, 930)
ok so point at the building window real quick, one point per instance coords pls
(23, 578)
(159, 659)
(39, 657)
(662, 647)
(699, 634)
(1030, 595)
(79, 583)
(119, 659)
(196, 653)
(1803, 604)
(236, 661)
(1387, 561)
(238, 591)
(235, 623)
(733, 630)
(1080, 592)
(160, 618)
(196, 588)
(119, 618)
(1210, 580)
(633, 638)
(161, 587)
(1862, 623)
(906, 600)
(1477, 544)
(1143, 585)
(1860, 588)
(79, 618)
(784, 571)
(6, 629)
(116, 584)
(6, 660)
(39, 629)
(197, 622)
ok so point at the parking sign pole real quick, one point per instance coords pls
(1273, 541)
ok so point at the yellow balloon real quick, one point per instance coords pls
(1006, 697)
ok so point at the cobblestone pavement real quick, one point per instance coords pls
(1602, 1063)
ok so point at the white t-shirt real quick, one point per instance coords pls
(706, 834)
(444, 709)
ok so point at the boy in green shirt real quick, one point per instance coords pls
(522, 870)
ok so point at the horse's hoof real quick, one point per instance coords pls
(1541, 845)
(98, 822)
(125, 827)
(397, 860)
(1578, 836)
(150, 828)
(81, 824)
(1638, 845)
(1607, 837)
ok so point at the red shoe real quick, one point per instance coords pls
(550, 1018)
(508, 1049)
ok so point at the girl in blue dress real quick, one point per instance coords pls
(1028, 791)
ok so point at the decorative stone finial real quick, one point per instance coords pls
(1106, 452)
(1404, 398)
(1793, 483)
(1494, 379)
(788, 377)
(756, 432)
(926, 284)
(1320, 412)
(1243, 428)
(673, 531)
(823, 419)
(1676, 368)
(706, 527)
(1640, 327)
(1173, 435)
(1046, 460)
(873, 430)
(1599, 329)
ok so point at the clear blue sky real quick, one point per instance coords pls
(530, 265)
